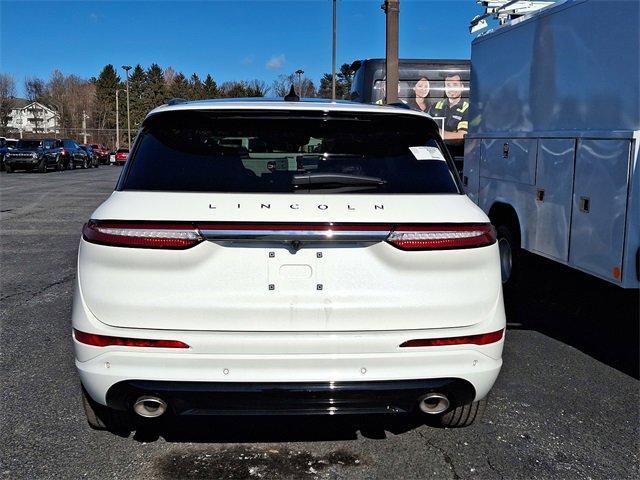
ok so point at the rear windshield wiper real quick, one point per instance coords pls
(329, 180)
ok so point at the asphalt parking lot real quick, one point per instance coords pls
(565, 405)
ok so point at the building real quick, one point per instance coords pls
(32, 117)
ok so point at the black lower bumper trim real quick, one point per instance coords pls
(290, 398)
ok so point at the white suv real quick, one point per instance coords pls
(287, 257)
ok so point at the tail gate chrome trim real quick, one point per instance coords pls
(297, 232)
(299, 235)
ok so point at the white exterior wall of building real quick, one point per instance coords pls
(23, 119)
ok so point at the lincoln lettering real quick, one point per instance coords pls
(296, 206)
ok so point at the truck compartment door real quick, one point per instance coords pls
(553, 197)
(599, 207)
(513, 159)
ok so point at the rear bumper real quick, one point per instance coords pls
(311, 398)
(219, 360)
(186, 373)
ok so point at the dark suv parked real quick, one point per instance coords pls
(74, 155)
(6, 144)
(37, 155)
(102, 152)
(94, 160)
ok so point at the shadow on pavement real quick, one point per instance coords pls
(264, 429)
(594, 316)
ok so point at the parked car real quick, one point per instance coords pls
(36, 154)
(94, 159)
(121, 156)
(6, 144)
(102, 152)
(75, 156)
(209, 283)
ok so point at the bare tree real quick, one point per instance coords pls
(34, 88)
(169, 76)
(305, 87)
(238, 89)
(7, 99)
(256, 88)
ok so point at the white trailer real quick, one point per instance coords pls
(552, 150)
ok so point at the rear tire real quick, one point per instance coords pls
(100, 417)
(8, 168)
(85, 164)
(464, 415)
(59, 164)
(510, 256)
(42, 166)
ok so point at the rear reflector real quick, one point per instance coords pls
(106, 341)
(141, 235)
(482, 339)
(442, 237)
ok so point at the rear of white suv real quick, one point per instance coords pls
(287, 258)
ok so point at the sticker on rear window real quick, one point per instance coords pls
(427, 153)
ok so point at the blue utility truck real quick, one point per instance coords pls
(554, 133)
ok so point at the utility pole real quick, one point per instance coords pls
(84, 127)
(391, 9)
(333, 56)
(126, 68)
(117, 121)
(299, 73)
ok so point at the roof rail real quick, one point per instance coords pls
(176, 101)
(505, 10)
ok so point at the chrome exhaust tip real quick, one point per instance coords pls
(434, 403)
(149, 406)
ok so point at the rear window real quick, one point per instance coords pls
(289, 152)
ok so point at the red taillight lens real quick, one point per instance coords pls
(142, 235)
(482, 339)
(106, 341)
(63, 152)
(442, 237)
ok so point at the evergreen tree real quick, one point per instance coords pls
(137, 87)
(155, 93)
(210, 88)
(344, 77)
(104, 110)
(196, 87)
(179, 88)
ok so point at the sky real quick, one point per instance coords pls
(232, 40)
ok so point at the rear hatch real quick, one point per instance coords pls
(217, 224)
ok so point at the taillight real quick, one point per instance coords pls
(63, 152)
(106, 341)
(481, 339)
(442, 237)
(174, 236)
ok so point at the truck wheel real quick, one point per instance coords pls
(42, 166)
(8, 168)
(85, 164)
(71, 165)
(464, 415)
(59, 165)
(100, 417)
(509, 247)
